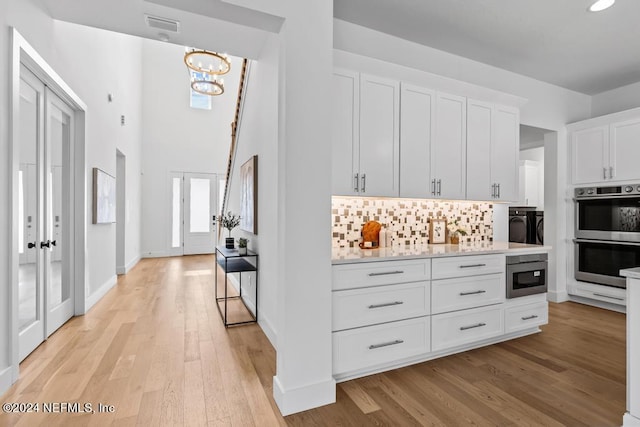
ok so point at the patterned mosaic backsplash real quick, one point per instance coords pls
(408, 219)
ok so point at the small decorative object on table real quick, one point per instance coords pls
(228, 221)
(242, 246)
(438, 231)
(455, 231)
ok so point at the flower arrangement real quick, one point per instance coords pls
(455, 231)
(228, 221)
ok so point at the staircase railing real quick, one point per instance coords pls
(234, 134)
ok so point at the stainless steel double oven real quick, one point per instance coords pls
(607, 233)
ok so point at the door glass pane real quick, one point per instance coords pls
(58, 144)
(175, 207)
(28, 293)
(200, 207)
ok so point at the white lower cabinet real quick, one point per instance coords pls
(466, 326)
(525, 316)
(467, 292)
(360, 348)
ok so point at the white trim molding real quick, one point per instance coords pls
(6, 379)
(129, 266)
(101, 292)
(291, 401)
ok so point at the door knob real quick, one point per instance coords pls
(46, 244)
(53, 242)
(31, 245)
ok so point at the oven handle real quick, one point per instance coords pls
(606, 242)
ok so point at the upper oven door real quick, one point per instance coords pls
(608, 218)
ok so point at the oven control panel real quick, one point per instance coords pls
(616, 190)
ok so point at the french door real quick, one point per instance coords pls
(194, 202)
(45, 288)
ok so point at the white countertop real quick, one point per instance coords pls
(633, 273)
(353, 255)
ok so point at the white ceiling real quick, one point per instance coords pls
(556, 41)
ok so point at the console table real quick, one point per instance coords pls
(232, 262)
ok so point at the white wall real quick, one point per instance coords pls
(620, 99)
(93, 63)
(176, 137)
(258, 135)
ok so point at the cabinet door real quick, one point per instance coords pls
(415, 139)
(449, 147)
(379, 136)
(505, 152)
(479, 135)
(624, 150)
(590, 155)
(345, 117)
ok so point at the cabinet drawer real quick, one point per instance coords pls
(360, 348)
(351, 276)
(525, 316)
(598, 292)
(467, 292)
(465, 327)
(445, 268)
(368, 306)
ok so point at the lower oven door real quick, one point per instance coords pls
(599, 261)
(526, 278)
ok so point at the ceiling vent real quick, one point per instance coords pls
(163, 23)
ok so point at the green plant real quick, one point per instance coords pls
(455, 228)
(228, 221)
(242, 242)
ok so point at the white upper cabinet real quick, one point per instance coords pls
(606, 153)
(345, 132)
(492, 151)
(366, 135)
(590, 155)
(416, 134)
(449, 147)
(379, 171)
(624, 150)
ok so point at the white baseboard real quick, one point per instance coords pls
(629, 420)
(300, 399)
(555, 296)
(155, 255)
(125, 269)
(6, 379)
(102, 291)
(600, 304)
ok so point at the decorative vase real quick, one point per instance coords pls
(455, 239)
(229, 243)
(242, 251)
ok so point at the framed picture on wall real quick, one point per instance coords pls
(249, 195)
(438, 231)
(104, 197)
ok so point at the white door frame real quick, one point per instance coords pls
(23, 53)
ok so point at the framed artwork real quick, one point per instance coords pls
(438, 231)
(104, 197)
(249, 195)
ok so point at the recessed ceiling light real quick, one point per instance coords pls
(601, 5)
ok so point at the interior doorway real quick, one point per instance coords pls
(194, 202)
(121, 211)
(45, 205)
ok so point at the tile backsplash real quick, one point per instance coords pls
(408, 219)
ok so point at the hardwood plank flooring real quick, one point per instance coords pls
(154, 347)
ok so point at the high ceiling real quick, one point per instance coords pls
(556, 41)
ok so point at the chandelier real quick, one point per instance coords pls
(205, 67)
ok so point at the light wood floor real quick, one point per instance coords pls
(155, 348)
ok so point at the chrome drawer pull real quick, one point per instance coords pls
(479, 325)
(608, 296)
(386, 344)
(481, 291)
(473, 265)
(386, 273)
(387, 304)
(533, 316)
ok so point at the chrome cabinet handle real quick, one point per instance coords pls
(478, 325)
(604, 173)
(386, 273)
(386, 304)
(439, 187)
(364, 182)
(533, 316)
(611, 172)
(386, 344)
(433, 187)
(608, 296)
(473, 265)
(498, 196)
(356, 183)
(481, 291)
